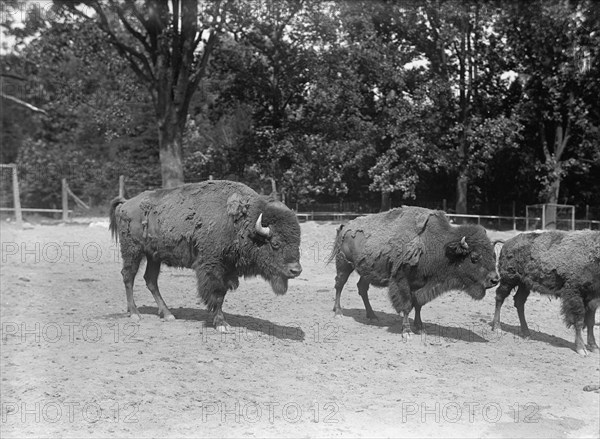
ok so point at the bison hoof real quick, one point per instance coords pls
(406, 335)
(135, 317)
(338, 313)
(168, 317)
(593, 348)
(224, 328)
(582, 352)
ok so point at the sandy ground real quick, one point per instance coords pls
(73, 365)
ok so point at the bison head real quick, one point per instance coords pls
(275, 235)
(472, 258)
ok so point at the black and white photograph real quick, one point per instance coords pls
(299, 219)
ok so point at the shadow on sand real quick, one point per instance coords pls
(431, 331)
(246, 325)
(536, 335)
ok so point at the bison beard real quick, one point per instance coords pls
(557, 264)
(417, 254)
(221, 229)
(279, 285)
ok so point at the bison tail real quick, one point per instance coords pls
(113, 216)
(336, 245)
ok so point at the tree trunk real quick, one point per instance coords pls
(552, 200)
(465, 84)
(386, 201)
(462, 183)
(170, 141)
(561, 138)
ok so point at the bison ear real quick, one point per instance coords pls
(457, 249)
(237, 206)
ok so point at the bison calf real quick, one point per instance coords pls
(417, 254)
(221, 229)
(560, 264)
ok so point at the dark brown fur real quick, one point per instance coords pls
(209, 227)
(417, 254)
(554, 263)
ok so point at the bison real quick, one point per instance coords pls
(417, 254)
(558, 264)
(221, 229)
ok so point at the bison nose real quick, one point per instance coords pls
(295, 269)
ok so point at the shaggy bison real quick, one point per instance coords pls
(561, 264)
(417, 254)
(221, 229)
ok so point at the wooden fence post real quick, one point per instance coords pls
(65, 200)
(16, 196)
(514, 210)
(121, 186)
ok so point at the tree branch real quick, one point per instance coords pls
(130, 53)
(141, 38)
(23, 103)
(11, 76)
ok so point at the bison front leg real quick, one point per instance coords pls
(590, 320)
(212, 287)
(400, 295)
(575, 314)
(418, 322)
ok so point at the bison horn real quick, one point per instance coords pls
(463, 243)
(264, 231)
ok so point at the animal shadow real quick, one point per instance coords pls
(431, 332)
(246, 327)
(536, 335)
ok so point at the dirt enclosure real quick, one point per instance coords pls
(74, 365)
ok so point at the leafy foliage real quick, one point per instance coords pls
(328, 101)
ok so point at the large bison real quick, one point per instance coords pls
(417, 254)
(221, 229)
(561, 264)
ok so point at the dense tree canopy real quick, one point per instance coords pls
(374, 103)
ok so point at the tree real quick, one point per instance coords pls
(554, 46)
(465, 64)
(168, 45)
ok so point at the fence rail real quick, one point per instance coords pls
(498, 222)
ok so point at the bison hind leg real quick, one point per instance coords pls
(151, 278)
(520, 299)
(131, 265)
(502, 293)
(363, 291)
(343, 270)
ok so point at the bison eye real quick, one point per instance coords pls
(475, 257)
(275, 244)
